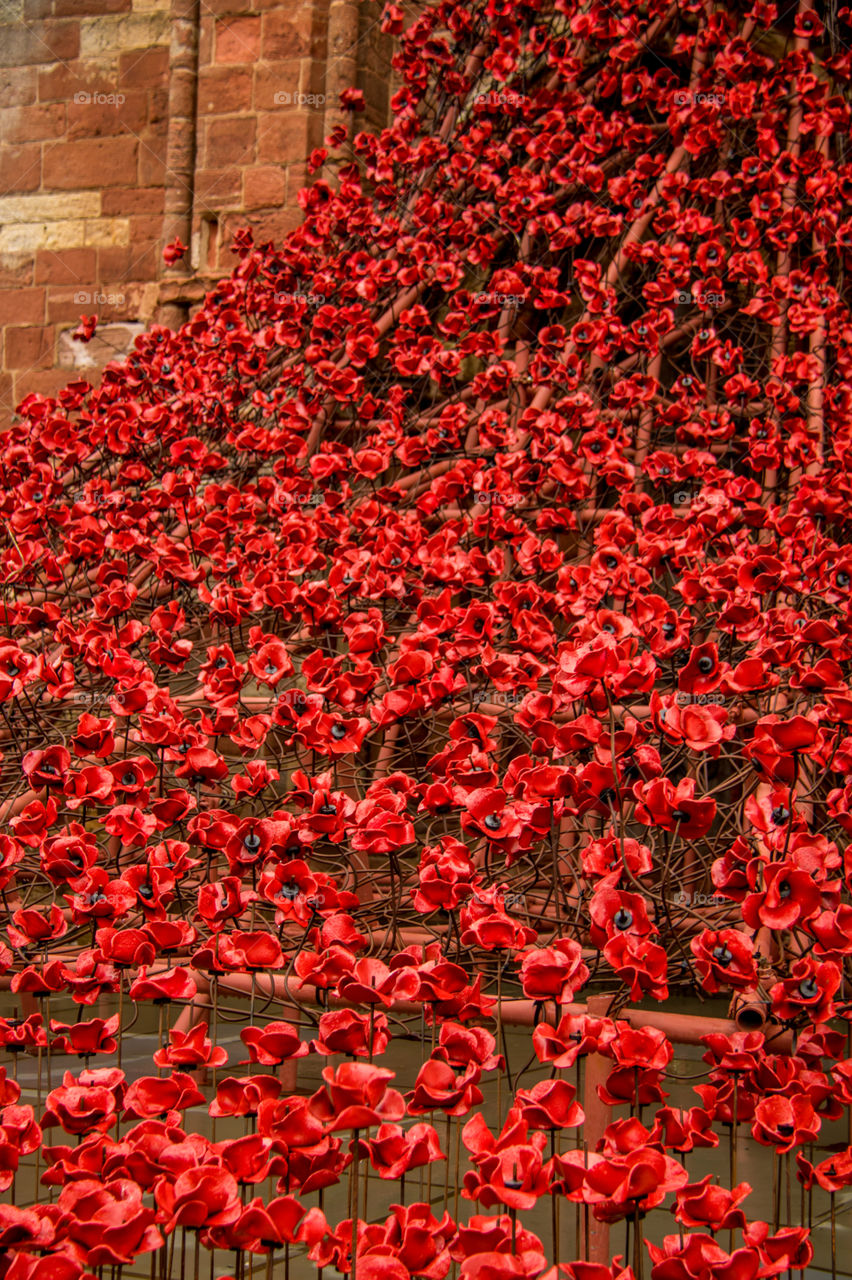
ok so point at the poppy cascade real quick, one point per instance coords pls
(449, 625)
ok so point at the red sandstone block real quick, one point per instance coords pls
(45, 382)
(226, 7)
(229, 142)
(95, 162)
(22, 306)
(285, 36)
(282, 138)
(27, 347)
(222, 90)
(20, 168)
(60, 83)
(19, 86)
(7, 400)
(264, 187)
(152, 160)
(16, 272)
(22, 46)
(133, 262)
(158, 106)
(277, 85)
(217, 188)
(34, 10)
(103, 115)
(143, 70)
(206, 37)
(63, 306)
(71, 266)
(122, 203)
(238, 40)
(90, 8)
(145, 229)
(32, 124)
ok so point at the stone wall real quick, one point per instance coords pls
(122, 120)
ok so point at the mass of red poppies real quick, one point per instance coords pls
(446, 632)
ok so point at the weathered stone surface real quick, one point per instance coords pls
(109, 342)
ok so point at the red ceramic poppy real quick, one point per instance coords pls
(356, 1096)
(151, 1096)
(438, 1087)
(201, 1197)
(395, 1150)
(550, 1104)
(275, 1043)
(554, 973)
(702, 1204)
(191, 1049)
(264, 1227)
(361, 1035)
(79, 1108)
(83, 1038)
(109, 1221)
(785, 1122)
(244, 1095)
